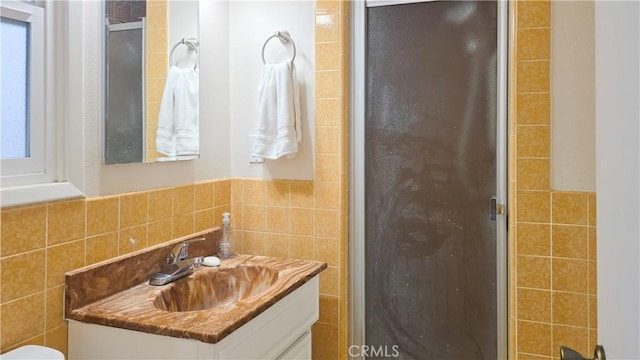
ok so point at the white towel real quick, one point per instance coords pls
(278, 132)
(178, 122)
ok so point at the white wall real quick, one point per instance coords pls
(253, 22)
(618, 176)
(214, 109)
(573, 96)
(183, 23)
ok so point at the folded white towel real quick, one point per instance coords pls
(278, 132)
(178, 122)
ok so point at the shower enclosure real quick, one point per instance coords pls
(429, 180)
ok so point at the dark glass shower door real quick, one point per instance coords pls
(124, 125)
(430, 168)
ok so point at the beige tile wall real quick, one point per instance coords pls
(157, 63)
(40, 243)
(553, 259)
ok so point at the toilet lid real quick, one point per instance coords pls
(33, 352)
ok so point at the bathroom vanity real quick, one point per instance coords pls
(251, 307)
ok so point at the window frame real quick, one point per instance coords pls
(63, 175)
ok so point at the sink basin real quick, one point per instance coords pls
(213, 287)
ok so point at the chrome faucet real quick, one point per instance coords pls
(178, 264)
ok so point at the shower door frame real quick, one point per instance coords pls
(357, 173)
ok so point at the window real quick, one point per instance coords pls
(15, 88)
(33, 55)
(22, 93)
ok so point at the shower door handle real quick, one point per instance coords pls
(495, 209)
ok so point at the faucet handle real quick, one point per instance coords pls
(181, 250)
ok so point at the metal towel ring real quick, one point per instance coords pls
(191, 43)
(284, 38)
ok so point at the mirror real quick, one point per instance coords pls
(152, 81)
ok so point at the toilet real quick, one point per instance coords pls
(33, 352)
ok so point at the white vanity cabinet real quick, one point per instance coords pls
(283, 331)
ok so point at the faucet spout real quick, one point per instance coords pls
(178, 264)
(182, 266)
(175, 271)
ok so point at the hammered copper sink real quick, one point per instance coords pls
(215, 287)
(207, 305)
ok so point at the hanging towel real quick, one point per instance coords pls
(178, 122)
(278, 132)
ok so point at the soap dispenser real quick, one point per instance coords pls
(227, 244)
